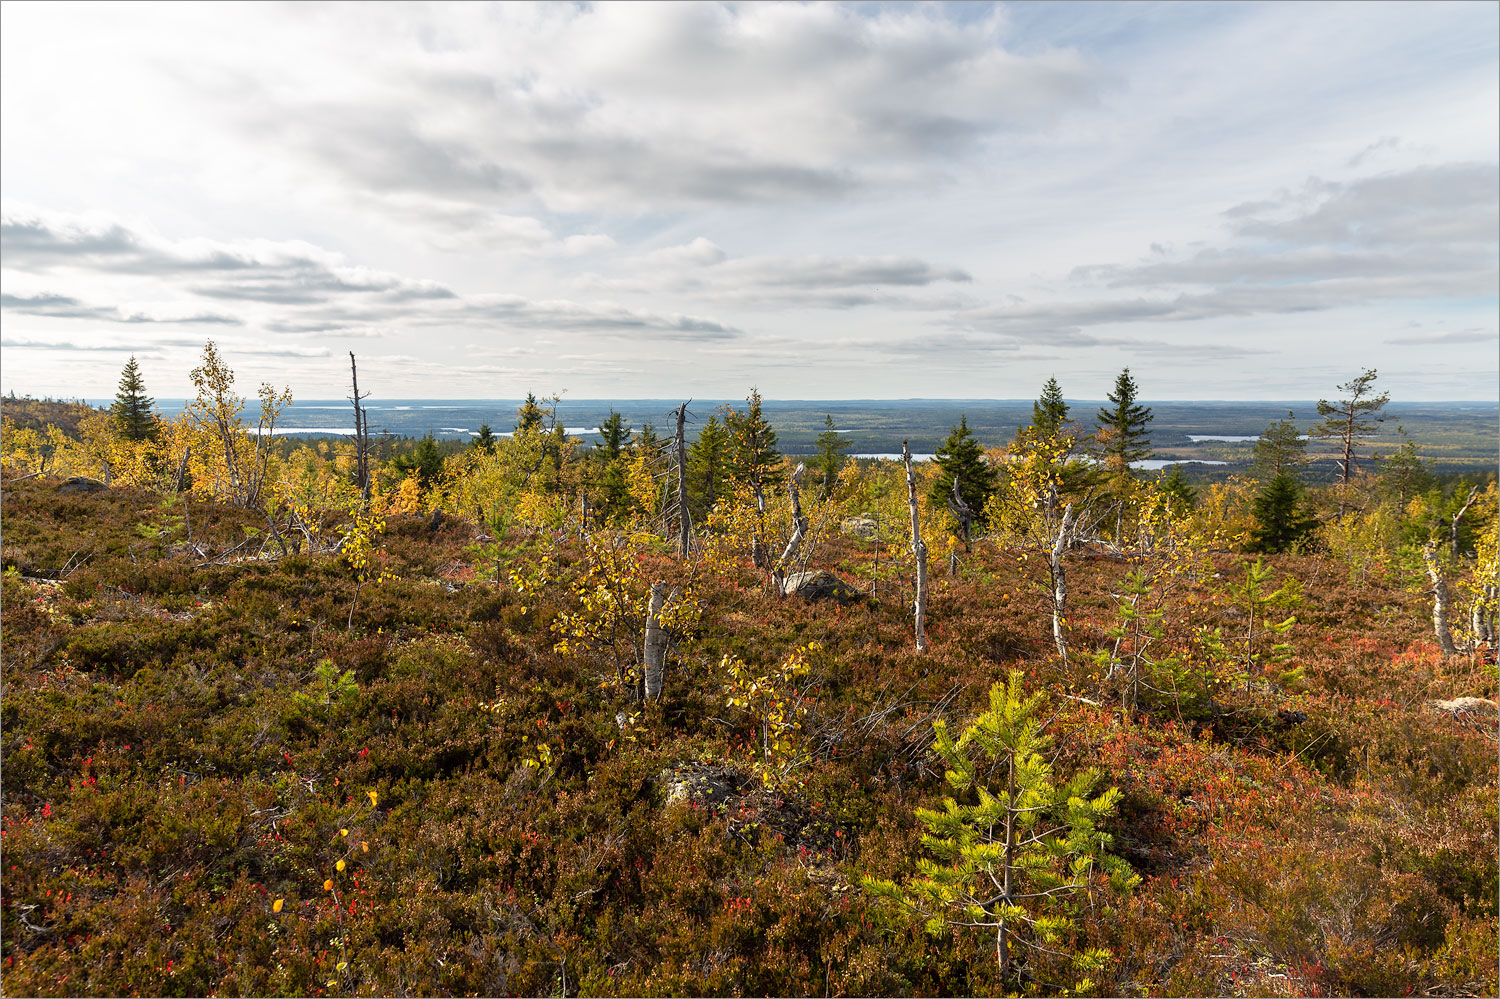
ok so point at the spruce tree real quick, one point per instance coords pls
(708, 459)
(485, 439)
(1049, 412)
(132, 408)
(530, 415)
(830, 458)
(753, 458)
(962, 457)
(1179, 493)
(1123, 437)
(1280, 519)
(616, 434)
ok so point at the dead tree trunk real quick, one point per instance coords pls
(799, 531)
(654, 646)
(1453, 525)
(963, 512)
(684, 519)
(919, 550)
(1060, 583)
(1439, 602)
(361, 437)
(1480, 619)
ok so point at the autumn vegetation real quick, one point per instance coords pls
(313, 718)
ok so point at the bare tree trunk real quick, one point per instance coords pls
(361, 437)
(919, 549)
(1479, 618)
(684, 519)
(182, 469)
(655, 643)
(799, 531)
(965, 515)
(1453, 525)
(1439, 602)
(1060, 583)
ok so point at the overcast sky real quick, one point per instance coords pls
(827, 201)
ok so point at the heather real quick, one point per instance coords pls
(316, 741)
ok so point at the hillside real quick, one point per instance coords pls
(232, 771)
(27, 413)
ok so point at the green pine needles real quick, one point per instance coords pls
(1014, 853)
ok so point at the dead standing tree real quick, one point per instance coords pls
(1060, 583)
(799, 532)
(361, 436)
(919, 551)
(684, 518)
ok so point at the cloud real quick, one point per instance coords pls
(1440, 339)
(64, 307)
(702, 269)
(1424, 233)
(667, 105)
(299, 288)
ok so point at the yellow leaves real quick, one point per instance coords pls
(276, 905)
(340, 866)
(343, 832)
(374, 798)
(328, 885)
(364, 847)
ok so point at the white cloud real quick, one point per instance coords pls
(706, 194)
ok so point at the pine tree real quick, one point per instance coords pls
(1281, 521)
(1281, 448)
(1010, 845)
(132, 408)
(485, 439)
(962, 457)
(830, 459)
(753, 458)
(708, 459)
(1049, 412)
(1403, 473)
(1349, 422)
(1123, 437)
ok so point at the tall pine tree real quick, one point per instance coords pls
(1123, 437)
(132, 408)
(1281, 448)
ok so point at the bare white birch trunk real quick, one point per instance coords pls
(1060, 583)
(1439, 603)
(799, 531)
(919, 549)
(655, 643)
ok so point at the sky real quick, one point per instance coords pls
(827, 201)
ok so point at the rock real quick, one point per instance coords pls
(703, 784)
(79, 484)
(1465, 707)
(859, 527)
(819, 585)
